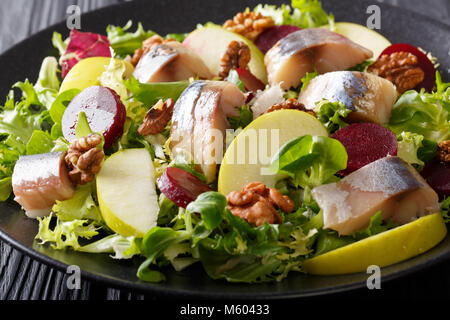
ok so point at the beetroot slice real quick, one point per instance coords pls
(104, 111)
(423, 63)
(251, 83)
(269, 37)
(365, 143)
(83, 45)
(181, 186)
(437, 174)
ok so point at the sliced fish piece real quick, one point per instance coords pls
(306, 50)
(170, 61)
(389, 185)
(199, 122)
(39, 180)
(370, 97)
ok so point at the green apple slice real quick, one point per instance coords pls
(247, 159)
(363, 36)
(87, 71)
(211, 42)
(126, 192)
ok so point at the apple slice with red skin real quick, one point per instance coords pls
(181, 186)
(104, 111)
(251, 83)
(365, 143)
(423, 63)
(269, 37)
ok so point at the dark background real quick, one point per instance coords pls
(24, 278)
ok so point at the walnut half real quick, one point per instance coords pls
(236, 56)
(83, 159)
(258, 204)
(157, 118)
(292, 104)
(249, 24)
(400, 68)
(444, 151)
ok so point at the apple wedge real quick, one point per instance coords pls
(247, 159)
(363, 36)
(211, 42)
(126, 192)
(86, 73)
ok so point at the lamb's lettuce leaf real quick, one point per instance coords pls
(310, 161)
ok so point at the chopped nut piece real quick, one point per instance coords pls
(157, 118)
(84, 159)
(258, 204)
(444, 151)
(290, 104)
(400, 68)
(249, 24)
(236, 56)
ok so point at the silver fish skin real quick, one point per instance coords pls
(199, 122)
(306, 50)
(170, 61)
(370, 97)
(39, 180)
(389, 185)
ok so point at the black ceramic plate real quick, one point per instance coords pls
(165, 16)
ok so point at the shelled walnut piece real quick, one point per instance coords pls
(400, 68)
(291, 103)
(444, 151)
(237, 56)
(249, 24)
(84, 159)
(258, 204)
(157, 118)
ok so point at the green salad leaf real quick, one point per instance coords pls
(331, 114)
(304, 14)
(80, 206)
(427, 114)
(307, 78)
(413, 148)
(150, 93)
(243, 119)
(310, 161)
(445, 209)
(124, 42)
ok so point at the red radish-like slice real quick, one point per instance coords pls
(437, 174)
(423, 63)
(181, 186)
(269, 37)
(365, 143)
(251, 83)
(83, 45)
(104, 111)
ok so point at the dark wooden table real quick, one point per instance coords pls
(24, 278)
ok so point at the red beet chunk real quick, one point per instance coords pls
(437, 174)
(269, 37)
(365, 143)
(104, 111)
(83, 45)
(423, 63)
(181, 186)
(251, 83)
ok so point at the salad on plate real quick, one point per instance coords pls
(277, 141)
